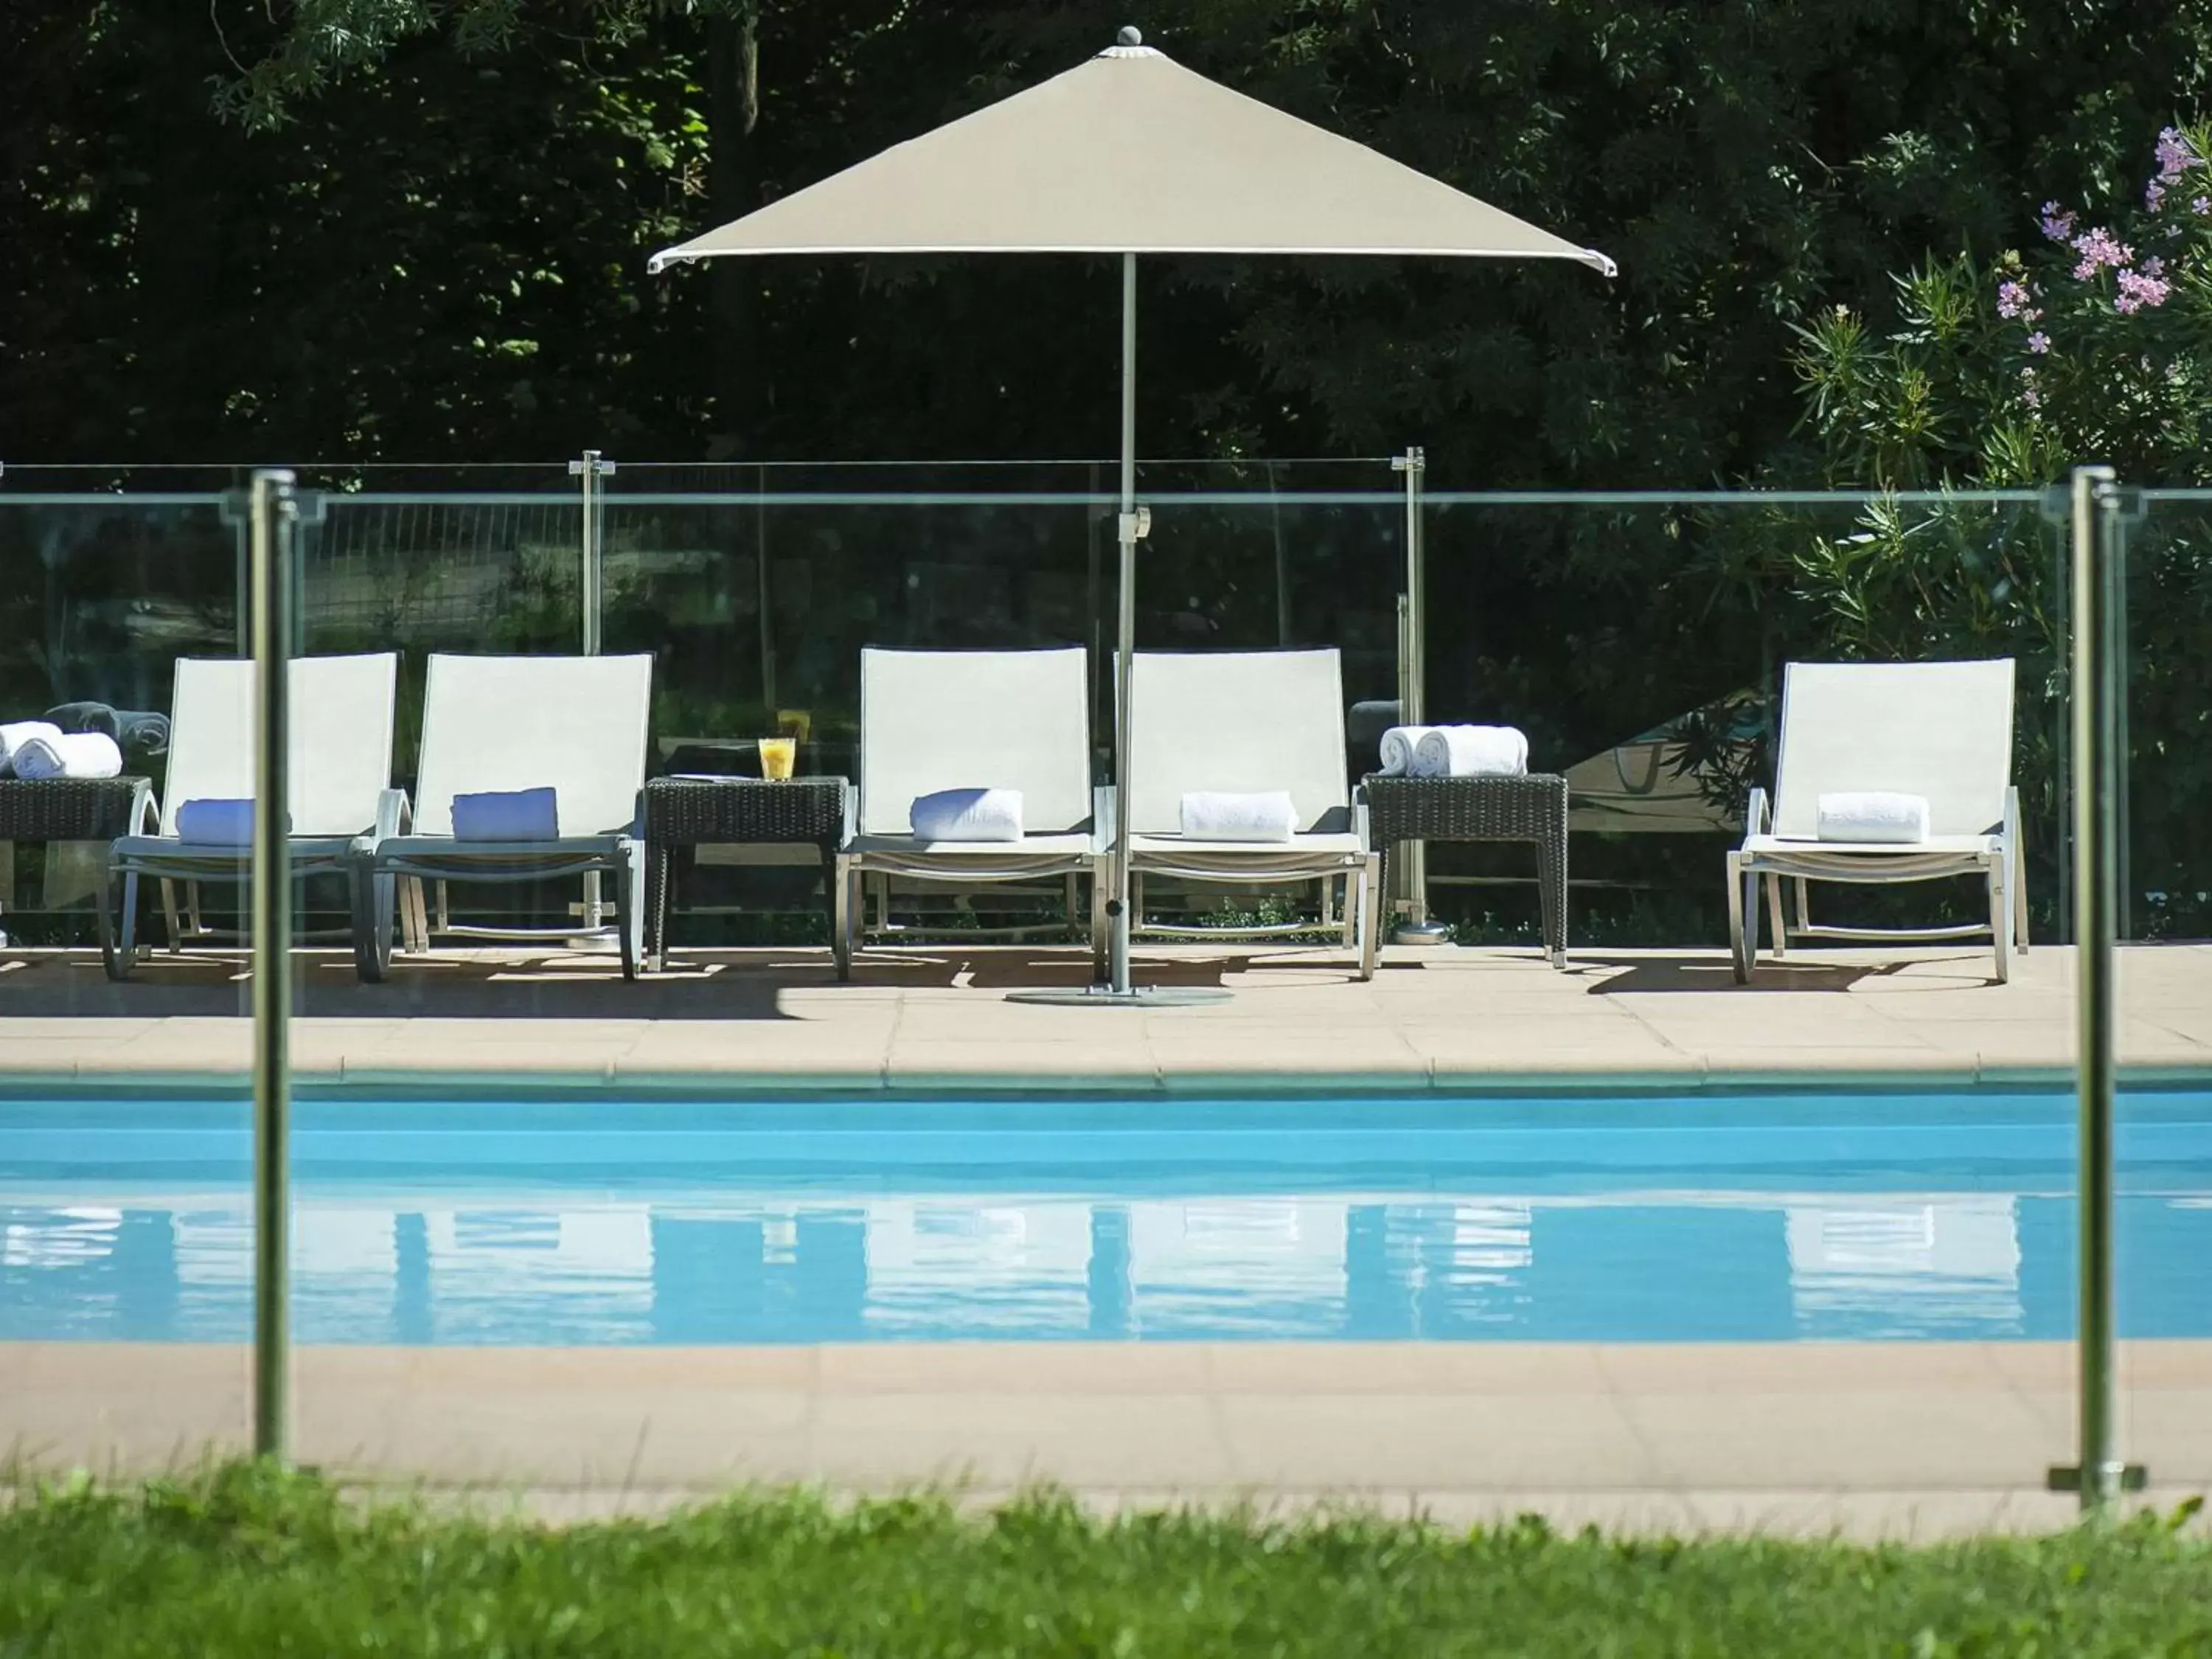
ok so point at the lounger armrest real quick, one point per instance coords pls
(1102, 799)
(1360, 820)
(2012, 818)
(145, 811)
(393, 815)
(1756, 818)
(850, 808)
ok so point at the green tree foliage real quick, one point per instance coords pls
(2090, 341)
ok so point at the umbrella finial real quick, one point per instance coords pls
(1131, 35)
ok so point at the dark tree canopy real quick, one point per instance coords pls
(401, 229)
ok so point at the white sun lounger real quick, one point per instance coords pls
(575, 725)
(339, 776)
(1248, 722)
(1939, 730)
(962, 719)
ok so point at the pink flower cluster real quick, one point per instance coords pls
(2175, 157)
(2099, 247)
(2057, 226)
(2146, 287)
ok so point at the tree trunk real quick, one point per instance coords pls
(733, 180)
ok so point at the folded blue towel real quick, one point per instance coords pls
(215, 823)
(968, 815)
(507, 815)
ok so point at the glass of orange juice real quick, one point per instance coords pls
(777, 755)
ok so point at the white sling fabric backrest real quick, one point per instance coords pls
(976, 719)
(1239, 722)
(574, 724)
(340, 751)
(1941, 730)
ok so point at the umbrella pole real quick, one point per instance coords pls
(1125, 634)
(1116, 990)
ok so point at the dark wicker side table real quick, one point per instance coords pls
(1533, 808)
(682, 812)
(74, 809)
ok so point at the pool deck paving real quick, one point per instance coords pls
(1895, 1439)
(924, 1017)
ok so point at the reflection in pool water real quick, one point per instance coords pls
(1303, 1221)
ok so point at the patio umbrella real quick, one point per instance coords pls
(1130, 153)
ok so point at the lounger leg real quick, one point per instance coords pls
(841, 884)
(2000, 920)
(372, 925)
(169, 913)
(1804, 904)
(1774, 915)
(1370, 913)
(1742, 917)
(419, 913)
(1355, 882)
(1101, 934)
(116, 955)
(2017, 873)
(629, 925)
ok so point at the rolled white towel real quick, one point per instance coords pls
(1211, 815)
(968, 815)
(507, 815)
(68, 755)
(1471, 751)
(15, 734)
(1397, 748)
(215, 823)
(1874, 815)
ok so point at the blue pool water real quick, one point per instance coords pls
(1635, 1218)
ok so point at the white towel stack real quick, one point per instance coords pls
(1398, 745)
(1470, 752)
(968, 815)
(15, 734)
(67, 755)
(1874, 817)
(1212, 816)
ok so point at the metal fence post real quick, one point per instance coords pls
(1412, 678)
(591, 469)
(271, 525)
(2100, 1475)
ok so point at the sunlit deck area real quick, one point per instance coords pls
(932, 1017)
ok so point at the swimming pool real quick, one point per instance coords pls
(1746, 1217)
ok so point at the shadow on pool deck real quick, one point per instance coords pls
(1706, 972)
(519, 984)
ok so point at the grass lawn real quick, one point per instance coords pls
(245, 1561)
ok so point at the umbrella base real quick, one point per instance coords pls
(1138, 996)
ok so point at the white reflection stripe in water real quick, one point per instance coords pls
(1957, 1260)
(61, 1238)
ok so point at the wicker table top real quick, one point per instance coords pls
(681, 811)
(1532, 806)
(73, 809)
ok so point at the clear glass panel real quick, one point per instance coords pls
(1639, 640)
(1645, 659)
(2164, 1014)
(102, 594)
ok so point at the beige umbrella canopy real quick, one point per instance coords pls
(1130, 153)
